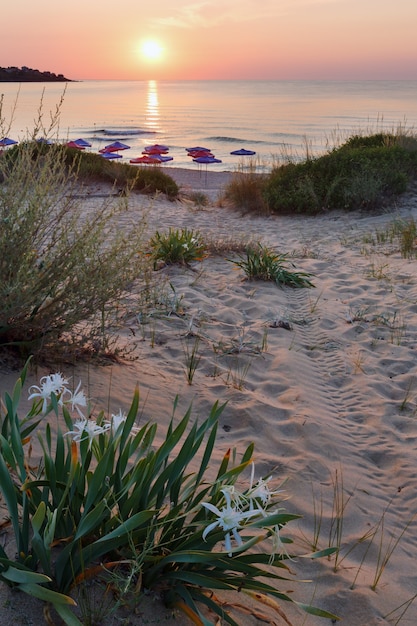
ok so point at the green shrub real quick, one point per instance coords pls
(358, 174)
(107, 497)
(64, 271)
(177, 246)
(131, 177)
(261, 263)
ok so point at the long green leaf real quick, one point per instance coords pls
(48, 595)
(67, 615)
(24, 576)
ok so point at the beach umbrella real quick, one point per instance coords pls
(74, 144)
(82, 143)
(156, 148)
(207, 160)
(111, 155)
(115, 147)
(7, 142)
(163, 158)
(243, 152)
(198, 148)
(195, 154)
(147, 159)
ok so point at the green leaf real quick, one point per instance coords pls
(67, 615)
(313, 610)
(23, 576)
(48, 595)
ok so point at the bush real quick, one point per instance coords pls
(63, 271)
(130, 177)
(106, 498)
(358, 174)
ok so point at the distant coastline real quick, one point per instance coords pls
(29, 75)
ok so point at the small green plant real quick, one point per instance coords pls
(262, 263)
(106, 497)
(192, 358)
(177, 246)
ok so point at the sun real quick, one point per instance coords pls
(151, 50)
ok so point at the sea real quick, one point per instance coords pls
(275, 119)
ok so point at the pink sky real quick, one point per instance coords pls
(213, 39)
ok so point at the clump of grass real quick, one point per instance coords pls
(262, 263)
(177, 246)
(245, 190)
(358, 174)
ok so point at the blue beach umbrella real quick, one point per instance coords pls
(111, 155)
(198, 149)
(207, 160)
(243, 152)
(7, 142)
(82, 143)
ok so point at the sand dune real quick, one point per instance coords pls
(329, 399)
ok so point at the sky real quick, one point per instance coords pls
(212, 39)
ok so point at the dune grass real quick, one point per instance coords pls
(359, 174)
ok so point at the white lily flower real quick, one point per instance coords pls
(87, 429)
(54, 383)
(116, 421)
(261, 491)
(78, 400)
(228, 519)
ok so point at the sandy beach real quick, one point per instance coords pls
(322, 380)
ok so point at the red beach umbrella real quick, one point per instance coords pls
(196, 154)
(147, 160)
(156, 148)
(115, 147)
(74, 144)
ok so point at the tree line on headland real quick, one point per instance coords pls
(27, 74)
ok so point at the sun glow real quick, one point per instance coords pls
(151, 50)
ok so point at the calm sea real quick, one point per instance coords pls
(269, 117)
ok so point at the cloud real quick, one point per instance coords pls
(206, 13)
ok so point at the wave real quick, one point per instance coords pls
(123, 132)
(249, 141)
(227, 139)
